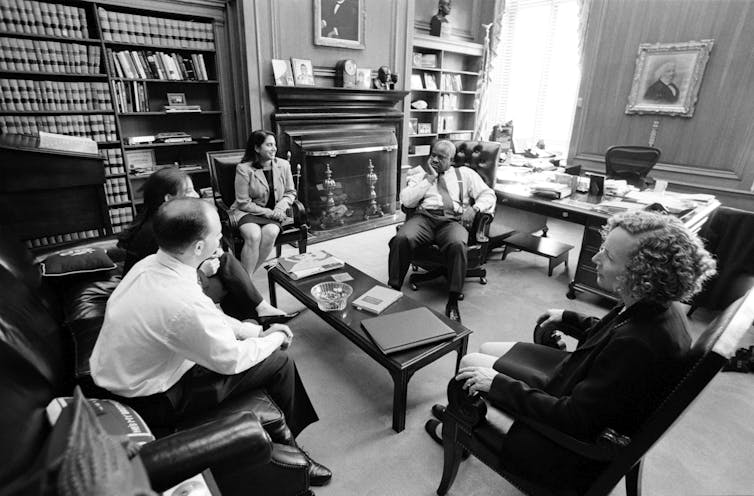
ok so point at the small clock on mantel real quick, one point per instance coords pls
(345, 73)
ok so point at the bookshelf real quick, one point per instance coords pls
(105, 71)
(444, 74)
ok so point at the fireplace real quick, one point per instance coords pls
(344, 146)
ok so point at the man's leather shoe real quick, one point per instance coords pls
(319, 475)
(438, 412)
(268, 320)
(451, 311)
(431, 428)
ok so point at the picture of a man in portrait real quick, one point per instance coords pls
(663, 89)
(340, 19)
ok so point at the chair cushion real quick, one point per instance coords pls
(77, 261)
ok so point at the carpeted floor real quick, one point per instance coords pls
(708, 452)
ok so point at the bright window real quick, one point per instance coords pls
(536, 74)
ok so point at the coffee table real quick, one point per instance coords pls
(401, 365)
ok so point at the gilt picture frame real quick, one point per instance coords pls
(667, 78)
(343, 27)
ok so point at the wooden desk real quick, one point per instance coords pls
(576, 209)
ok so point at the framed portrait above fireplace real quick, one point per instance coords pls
(667, 78)
(339, 23)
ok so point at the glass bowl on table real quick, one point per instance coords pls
(331, 296)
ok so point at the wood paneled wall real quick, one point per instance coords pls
(281, 29)
(711, 152)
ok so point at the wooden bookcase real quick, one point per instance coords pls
(57, 74)
(444, 74)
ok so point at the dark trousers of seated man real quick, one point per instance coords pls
(425, 228)
(200, 390)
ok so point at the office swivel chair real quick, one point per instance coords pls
(631, 163)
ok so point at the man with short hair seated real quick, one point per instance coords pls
(624, 362)
(446, 204)
(169, 352)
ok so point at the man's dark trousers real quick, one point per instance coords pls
(201, 389)
(425, 228)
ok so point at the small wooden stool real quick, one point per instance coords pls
(555, 251)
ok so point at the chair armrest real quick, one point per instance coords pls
(230, 439)
(299, 214)
(480, 229)
(472, 410)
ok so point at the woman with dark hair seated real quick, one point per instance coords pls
(623, 364)
(264, 192)
(222, 277)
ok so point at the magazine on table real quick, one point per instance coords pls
(376, 299)
(307, 264)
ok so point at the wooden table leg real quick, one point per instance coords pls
(462, 349)
(400, 394)
(273, 293)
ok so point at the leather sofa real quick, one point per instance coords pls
(47, 330)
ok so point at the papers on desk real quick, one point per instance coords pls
(673, 202)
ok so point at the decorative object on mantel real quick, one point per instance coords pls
(667, 78)
(385, 79)
(281, 70)
(345, 74)
(440, 25)
(339, 23)
(364, 78)
(303, 72)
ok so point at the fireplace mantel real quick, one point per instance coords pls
(298, 99)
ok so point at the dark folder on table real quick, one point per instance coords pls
(405, 330)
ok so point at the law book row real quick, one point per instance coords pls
(113, 158)
(32, 95)
(120, 218)
(124, 27)
(61, 238)
(136, 64)
(116, 190)
(40, 18)
(97, 127)
(20, 54)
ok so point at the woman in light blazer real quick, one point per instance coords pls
(264, 192)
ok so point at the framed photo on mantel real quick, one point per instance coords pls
(303, 72)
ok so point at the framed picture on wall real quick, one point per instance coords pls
(339, 23)
(667, 78)
(303, 72)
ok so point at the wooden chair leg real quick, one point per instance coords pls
(452, 454)
(278, 250)
(633, 480)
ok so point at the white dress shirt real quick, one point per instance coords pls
(420, 191)
(159, 323)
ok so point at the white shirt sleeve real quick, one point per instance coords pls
(416, 187)
(484, 196)
(206, 336)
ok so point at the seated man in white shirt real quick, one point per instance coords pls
(444, 212)
(166, 350)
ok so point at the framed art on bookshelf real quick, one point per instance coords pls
(424, 128)
(176, 98)
(303, 72)
(281, 70)
(414, 122)
(430, 82)
(140, 161)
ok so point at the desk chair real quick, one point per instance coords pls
(631, 163)
(482, 157)
(729, 235)
(222, 171)
(466, 427)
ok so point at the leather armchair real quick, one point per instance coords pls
(482, 157)
(222, 171)
(469, 427)
(46, 333)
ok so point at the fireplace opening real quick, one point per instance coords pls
(346, 178)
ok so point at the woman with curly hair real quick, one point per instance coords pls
(622, 365)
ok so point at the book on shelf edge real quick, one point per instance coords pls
(307, 264)
(401, 331)
(376, 299)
